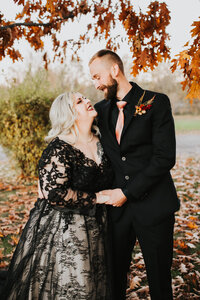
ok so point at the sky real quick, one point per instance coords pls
(183, 14)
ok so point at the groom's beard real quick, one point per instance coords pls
(111, 92)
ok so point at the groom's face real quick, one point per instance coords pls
(100, 70)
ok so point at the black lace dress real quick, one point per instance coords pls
(61, 252)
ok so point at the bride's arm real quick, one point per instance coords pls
(55, 177)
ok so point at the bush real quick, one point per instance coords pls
(25, 119)
(24, 110)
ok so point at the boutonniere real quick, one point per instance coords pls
(141, 108)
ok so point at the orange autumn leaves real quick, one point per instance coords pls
(146, 33)
(189, 62)
(37, 20)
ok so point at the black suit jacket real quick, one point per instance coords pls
(143, 160)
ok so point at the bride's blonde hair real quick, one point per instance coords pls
(63, 116)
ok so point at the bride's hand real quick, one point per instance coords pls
(101, 199)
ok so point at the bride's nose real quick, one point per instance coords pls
(87, 101)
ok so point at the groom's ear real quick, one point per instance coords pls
(115, 70)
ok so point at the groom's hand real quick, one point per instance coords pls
(101, 199)
(116, 197)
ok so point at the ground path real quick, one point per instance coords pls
(188, 144)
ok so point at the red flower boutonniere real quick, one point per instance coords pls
(141, 108)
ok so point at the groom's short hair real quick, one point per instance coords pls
(111, 56)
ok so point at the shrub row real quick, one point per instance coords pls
(25, 120)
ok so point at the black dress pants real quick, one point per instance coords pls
(156, 243)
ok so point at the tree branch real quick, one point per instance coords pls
(32, 24)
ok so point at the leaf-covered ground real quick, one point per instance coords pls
(186, 262)
(17, 197)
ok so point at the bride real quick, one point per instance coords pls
(62, 250)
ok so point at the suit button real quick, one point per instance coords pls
(127, 177)
(123, 158)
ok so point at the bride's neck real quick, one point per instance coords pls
(85, 133)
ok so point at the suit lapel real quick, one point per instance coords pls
(106, 116)
(137, 93)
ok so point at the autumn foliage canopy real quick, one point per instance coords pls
(146, 33)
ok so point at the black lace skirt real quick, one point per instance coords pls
(60, 255)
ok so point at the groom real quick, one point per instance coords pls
(137, 133)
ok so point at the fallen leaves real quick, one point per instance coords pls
(135, 282)
(186, 261)
(16, 208)
(183, 268)
(16, 200)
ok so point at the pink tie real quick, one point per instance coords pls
(120, 120)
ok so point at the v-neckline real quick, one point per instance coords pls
(78, 150)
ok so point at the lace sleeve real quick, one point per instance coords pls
(55, 181)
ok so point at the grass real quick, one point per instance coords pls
(187, 123)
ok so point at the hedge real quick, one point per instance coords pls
(25, 120)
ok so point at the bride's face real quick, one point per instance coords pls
(83, 107)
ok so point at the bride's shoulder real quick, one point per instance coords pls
(57, 149)
(57, 145)
(68, 139)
